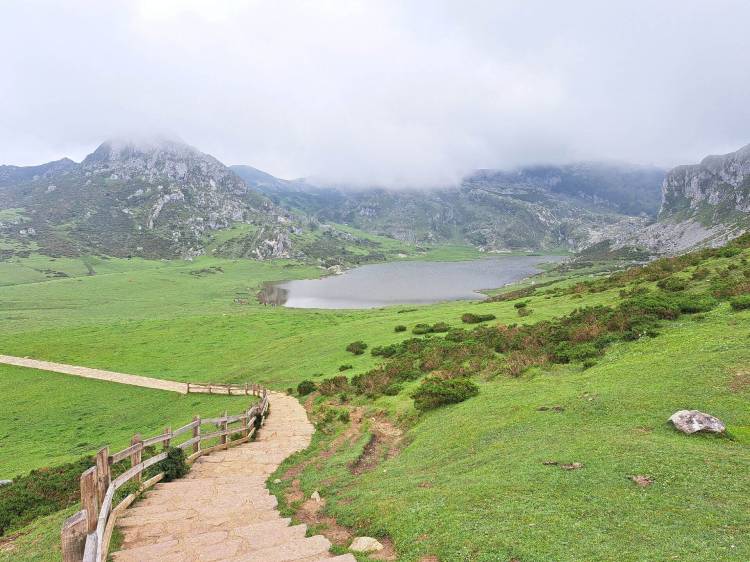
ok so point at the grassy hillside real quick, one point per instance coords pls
(469, 482)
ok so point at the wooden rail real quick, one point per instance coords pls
(230, 389)
(86, 535)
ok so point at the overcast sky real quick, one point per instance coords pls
(390, 92)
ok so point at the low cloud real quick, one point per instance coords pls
(382, 92)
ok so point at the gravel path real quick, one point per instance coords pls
(122, 378)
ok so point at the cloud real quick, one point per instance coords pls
(386, 92)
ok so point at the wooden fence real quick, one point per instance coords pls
(86, 535)
(230, 389)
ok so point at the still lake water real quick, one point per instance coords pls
(408, 282)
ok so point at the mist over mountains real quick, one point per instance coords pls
(162, 198)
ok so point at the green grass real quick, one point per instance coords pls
(493, 499)
(50, 418)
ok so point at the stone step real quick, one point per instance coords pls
(298, 549)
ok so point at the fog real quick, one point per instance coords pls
(382, 92)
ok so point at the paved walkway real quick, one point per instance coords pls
(122, 378)
(222, 511)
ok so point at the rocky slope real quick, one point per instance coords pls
(536, 208)
(703, 204)
(156, 198)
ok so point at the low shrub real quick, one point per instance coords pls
(420, 329)
(524, 311)
(471, 318)
(440, 327)
(306, 387)
(700, 274)
(673, 284)
(385, 350)
(393, 389)
(522, 304)
(400, 328)
(740, 303)
(40, 492)
(344, 416)
(435, 392)
(334, 385)
(175, 465)
(345, 367)
(356, 347)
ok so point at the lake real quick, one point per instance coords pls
(407, 282)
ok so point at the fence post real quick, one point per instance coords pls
(103, 477)
(90, 498)
(224, 424)
(188, 388)
(197, 433)
(73, 537)
(167, 431)
(245, 389)
(229, 390)
(135, 456)
(244, 424)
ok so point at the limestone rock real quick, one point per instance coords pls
(365, 544)
(693, 421)
(315, 496)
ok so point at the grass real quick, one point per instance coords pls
(490, 497)
(49, 418)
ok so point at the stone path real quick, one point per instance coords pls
(122, 378)
(222, 511)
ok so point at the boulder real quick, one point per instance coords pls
(693, 421)
(315, 496)
(365, 544)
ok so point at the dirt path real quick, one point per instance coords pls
(122, 378)
(222, 511)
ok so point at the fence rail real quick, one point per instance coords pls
(230, 389)
(86, 535)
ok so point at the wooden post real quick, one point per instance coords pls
(224, 424)
(197, 433)
(188, 388)
(135, 456)
(73, 537)
(245, 389)
(167, 431)
(90, 498)
(103, 477)
(209, 388)
(229, 390)
(244, 424)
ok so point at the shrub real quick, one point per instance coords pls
(471, 318)
(672, 284)
(588, 363)
(440, 327)
(522, 304)
(420, 329)
(691, 304)
(306, 387)
(393, 389)
(435, 392)
(39, 493)
(344, 416)
(400, 328)
(357, 347)
(524, 311)
(174, 466)
(334, 385)
(700, 274)
(740, 303)
(385, 350)
(290, 391)
(345, 367)
(566, 352)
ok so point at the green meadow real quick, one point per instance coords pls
(470, 484)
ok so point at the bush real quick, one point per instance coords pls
(440, 327)
(393, 389)
(470, 318)
(740, 303)
(435, 392)
(345, 367)
(357, 347)
(334, 385)
(400, 328)
(306, 387)
(174, 466)
(40, 492)
(700, 274)
(524, 311)
(420, 329)
(344, 416)
(672, 284)
(522, 304)
(385, 350)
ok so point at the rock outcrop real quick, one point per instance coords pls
(694, 421)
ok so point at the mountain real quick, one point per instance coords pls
(703, 204)
(534, 208)
(155, 198)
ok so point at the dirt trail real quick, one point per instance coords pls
(85, 372)
(222, 511)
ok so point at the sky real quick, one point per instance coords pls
(395, 93)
